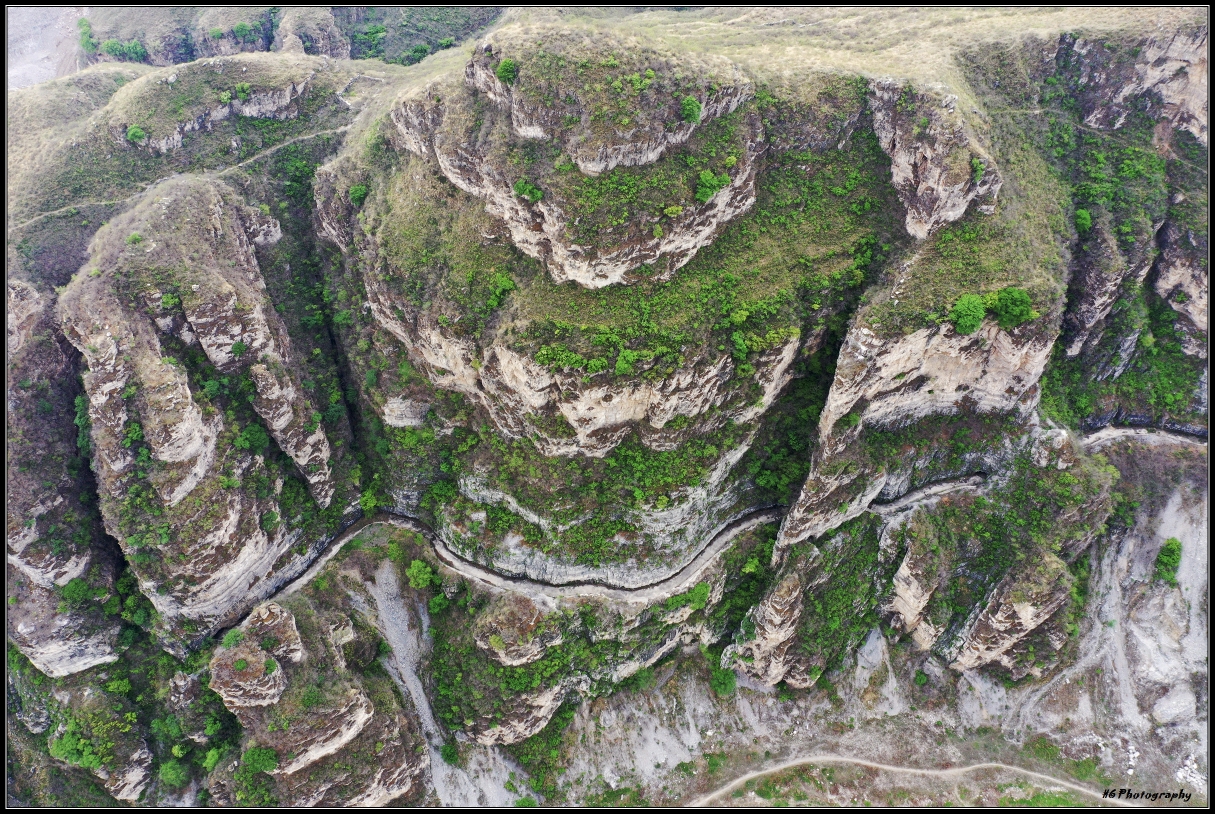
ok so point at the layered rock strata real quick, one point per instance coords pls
(182, 265)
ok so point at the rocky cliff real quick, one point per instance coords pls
(180, 270)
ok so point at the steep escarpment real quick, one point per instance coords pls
(629, 114)
(58, 570)
(170, 314)
(304, 682)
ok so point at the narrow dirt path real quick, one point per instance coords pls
(1107, 435)
(707, 799)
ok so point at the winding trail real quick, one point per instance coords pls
(707, 799)
(1107, 435)
(661, 589)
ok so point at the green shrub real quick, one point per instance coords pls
(173, 774)
(708, 185)
(507, 71)
(239, 348)
(76, 592)
(689, 109)
(526, 189)
(438, 603)
(368, 502)
(244, 32)
(450, 753)
(211, 760)
(216, 33)
(977, 170)
(88, 43)
(447, 42)
(921, 678)
(233, 637)
(1084, 222)
(252, 437)
(312, 697)
(83, 425)
(242, 90)
(259, 759)
(1168, 561)
(119, 686)
(358, 194)
(420, 575)
(722, 681)
(1013, 307)
(240, 665)
(271, 665)
(967, 313)
(134, 239)
(132, 51)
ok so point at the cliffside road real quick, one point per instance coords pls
(708, 799)
(676, 583)
(913, 499)
(1107, 435)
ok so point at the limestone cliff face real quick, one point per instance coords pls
(891, 382)
(51, 535)
(1098, 275)
(766, 657)
(119, 320)
(316, 749)
(522, 397)
(282, 101)
(1019, 605)
(438, 124)
(932, 158)
(312, 31)
(1182, 278)
(1169, 69)
(932, 371)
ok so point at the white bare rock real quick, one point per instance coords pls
(402, 412)
(128, 783)
(930, 163)
(930, 372)
(766, 656)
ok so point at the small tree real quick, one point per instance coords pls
(172, 773)
(967, 313)
(358, 194)
(526, 189)
(689, 109)
(1013, 307)
(507, 71)
(1084, 222)
(420, 575)
(258, 759)
(723, 682)
(1168, 561)
(135, 133)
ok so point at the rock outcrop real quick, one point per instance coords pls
(148, 423)
(328, 726)
(1169, 70)
(935, 165)
(52, 536)
(766, 656)
(1182, 278)
(311, 30)
(1017, 607)
(438, 124)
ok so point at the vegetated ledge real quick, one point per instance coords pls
(474, 142)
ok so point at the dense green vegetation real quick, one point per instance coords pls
(843, 609)
(1159, 380)
(1168, 561)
